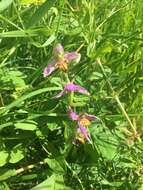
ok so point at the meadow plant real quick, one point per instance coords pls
(61, 60)
(71, 114)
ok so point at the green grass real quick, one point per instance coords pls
(36, 150)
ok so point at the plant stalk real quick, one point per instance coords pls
(117, 99)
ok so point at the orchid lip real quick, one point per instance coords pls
(84, 132)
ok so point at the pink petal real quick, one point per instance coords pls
(84, 131)
(90, 117)
(72, 115)
(49, 69)
(81, 90)
(70, 87)
(75, 88)
(72, 56)
(59, 94)
(58, 51)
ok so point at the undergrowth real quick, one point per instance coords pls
(41, 147)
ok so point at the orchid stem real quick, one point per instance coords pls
(71, 98)
(71, 95)
(67, 78)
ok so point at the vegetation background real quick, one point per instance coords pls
(36, 152)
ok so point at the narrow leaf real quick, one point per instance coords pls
(27, 96)
(25, 126)
(40, 13)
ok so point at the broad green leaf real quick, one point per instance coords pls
(26, 126)
(3, 157)
(16, 154)
(106, 143)
(55, 182)
(52, 126)
(4, 4)
(6, 173)
(91, 153)
(54, 165)
(107, 150)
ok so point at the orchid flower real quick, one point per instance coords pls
(60, 60)
(71, 87)
(83, 121)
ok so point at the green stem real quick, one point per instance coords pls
(71, 94)
(11, 51)
(71, 98)
(117, 98)
(124, 113)
(75, 175)
(1, 99)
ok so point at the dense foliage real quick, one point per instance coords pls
(39, 145)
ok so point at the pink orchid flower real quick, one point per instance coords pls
(71, 87)
(60, 60)
(83, 121)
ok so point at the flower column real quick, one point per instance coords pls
(61, 60)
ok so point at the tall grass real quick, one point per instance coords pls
(36, 149)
